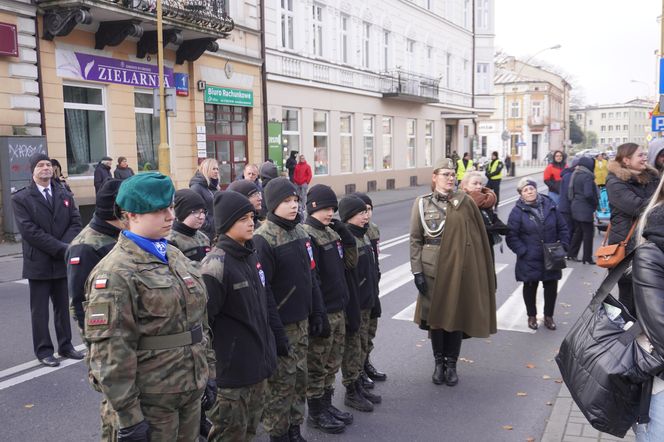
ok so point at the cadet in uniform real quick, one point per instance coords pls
(252, 192)
(285, 252)
(447, 237)
(190, 213)
(238, 311)
(362, 282)
(334, 250)
(150, 349)
(84, 253)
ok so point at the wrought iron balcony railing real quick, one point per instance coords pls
(410, 86)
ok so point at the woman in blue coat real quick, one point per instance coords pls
(535, 220)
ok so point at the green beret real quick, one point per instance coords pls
(145, 193)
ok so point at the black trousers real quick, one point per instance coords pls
(530, 295)
(495, 186)
(583, 233)
(570, 223)
(446, 343)
(41, 290)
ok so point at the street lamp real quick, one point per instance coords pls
(643, 83)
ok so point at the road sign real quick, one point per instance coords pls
(523, 143)
(505, 135)
(658, 123)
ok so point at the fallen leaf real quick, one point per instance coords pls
(521, 394)
(559, 381)
(418, 345)
(549, 360)
(549, 403)
(530, 439)
(566, 305)
(564, 323)
(586, 283)
(565, 313)
(469, 361)
(530, 365)
(29, 405)
(546, 377)
(508, 427)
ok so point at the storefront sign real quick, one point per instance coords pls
(8, 40)
(181, 85)
(109, 70)
(228, 96)
(274, 148)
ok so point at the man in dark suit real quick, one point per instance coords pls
(48, 219)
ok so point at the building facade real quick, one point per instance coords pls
(373, 92)
(531, 113)
(615, 124)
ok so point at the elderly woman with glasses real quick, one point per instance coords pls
(447, 238)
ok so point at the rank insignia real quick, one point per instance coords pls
(101, 283)
(75, 260)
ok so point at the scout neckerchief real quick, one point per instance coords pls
(156, 247)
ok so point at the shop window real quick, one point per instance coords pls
(411, 140)
(291, 128)
(85, 128)
(387, 142)
(368, 135)
(321, 136)
(346, 138)
(147, 132)
(428, 142)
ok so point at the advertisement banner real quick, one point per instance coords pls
(228, 96)
(274, 148)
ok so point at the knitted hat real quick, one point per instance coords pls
(321, 197)
(245, 187)
(523, 182)
(106, 158)
(105, 200)
(36, 158)
(364, 197)
(229, 207)
(186, 201)
(268, 171)
(278, 190)
(145, 193)
(349, 206)
(444, 163)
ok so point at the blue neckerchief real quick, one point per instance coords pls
(157, 247)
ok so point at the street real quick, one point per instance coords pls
(508, 382)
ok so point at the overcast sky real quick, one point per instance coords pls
(605, 43)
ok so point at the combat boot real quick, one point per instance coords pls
(451, 377)
(371, 371)
(373, 398)
(294, 434)
(354, 399)
(438, 376)
(320, 417)
(343, 416)
(367, 383)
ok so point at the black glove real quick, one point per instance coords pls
(136, 433)
(209, 395)
(421, 283)
(283, 345)
(377, 310)
(315, 324)
(326, 332)
(342, 231)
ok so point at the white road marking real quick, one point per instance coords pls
(387, 242)
(394, 279)
(383, 256)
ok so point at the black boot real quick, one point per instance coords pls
(354, 399)
(367, 383)
(438, 376)
(283, 438)
(451, 377)
(371, 371)
(373, 398)
(205, 426)
(320, 417)
(343, 416)
(294, 434)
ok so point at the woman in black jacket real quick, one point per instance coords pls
(205, 182)
(583, 198)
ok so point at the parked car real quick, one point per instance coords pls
(588, 153)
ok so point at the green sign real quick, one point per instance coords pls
(228, 96)
(274, 148)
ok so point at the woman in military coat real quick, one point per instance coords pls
(450, 258)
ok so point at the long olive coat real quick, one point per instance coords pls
(460, 273)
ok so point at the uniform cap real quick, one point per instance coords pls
(321, 197)
(444, 163)
(228, 207)
(145, 193)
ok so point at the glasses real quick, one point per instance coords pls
(446, 174)
(199, 212)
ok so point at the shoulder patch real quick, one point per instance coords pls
(101, 283)
(75, 260)
(98, 314)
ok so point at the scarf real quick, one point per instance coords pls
(535, 208)
(357, 231)
(484, 198)
(282, 222)
(156, 247)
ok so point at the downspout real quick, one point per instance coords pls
(472, 82)
(40, 86)
(266, 152)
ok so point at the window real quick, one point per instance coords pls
(579, 117)
(515, 109)
(483, 14)
(428, 142)
(610, 127)
(386, 51)
(602, 128)
(625, 127)
(429, 53)
(610, 114)
(466, 13)
(410, 55)
(448, 69)
(366, 44)
(317, 40)
(368, 133)
(624, 139)
(291, 128)
(387, 142)
(482, 78)
(346, 145)
(429, 4)
(344, 38)
(590, 122)
(321, 166)
(411, 135)
(287, 24)
(147, 131)
(601, 140)
(85, 128)
(603, 115)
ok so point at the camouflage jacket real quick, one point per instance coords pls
(373, 233)
(366, 273)
(134, 297)
(194, 244)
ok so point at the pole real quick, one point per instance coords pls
(661, 40)
(164, 151)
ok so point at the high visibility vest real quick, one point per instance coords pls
(461, 169)
(492, 169)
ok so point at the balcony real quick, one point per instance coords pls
(408, 86)
(538, 122)
(191, 25)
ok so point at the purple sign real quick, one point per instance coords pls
(110, 70)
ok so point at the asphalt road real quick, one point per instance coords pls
(508, 382)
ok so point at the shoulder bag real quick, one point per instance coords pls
(609, 256)
(554, 255)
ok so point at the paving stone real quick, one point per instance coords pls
(573, 429)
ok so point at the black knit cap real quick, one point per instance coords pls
(364, 197)
(105, 200)
(186, 201)
(245, 187)
(321, 197)
(229, 207)
(349, 206)
(278, 190)
(36, 158)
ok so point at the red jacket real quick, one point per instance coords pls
(552, 176)
(302, 174)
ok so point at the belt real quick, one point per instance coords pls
(432, 241)
(163, 342)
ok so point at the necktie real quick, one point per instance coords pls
(49, 198)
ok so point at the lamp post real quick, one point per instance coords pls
(164, 151)
(643, 83)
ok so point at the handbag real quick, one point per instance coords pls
(608, 256)
(609, 375)
(554, 256)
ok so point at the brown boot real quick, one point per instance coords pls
(532, 322)
(548, 323)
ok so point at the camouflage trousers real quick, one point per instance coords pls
(373, 327)
(286, 388)
(356, 350)
(236, 413)
(109, 422)
(325, 355)
(173, 417)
